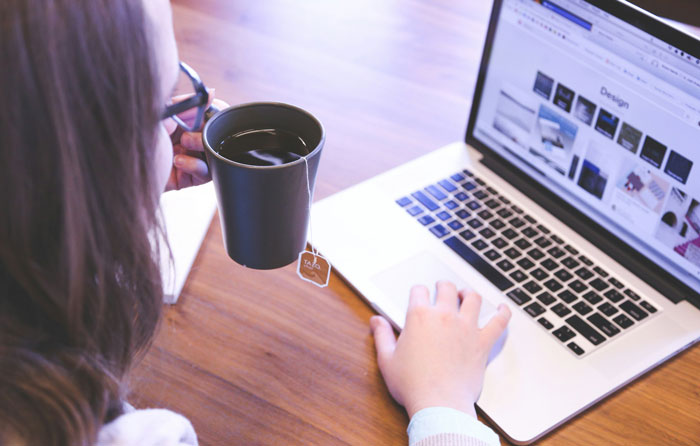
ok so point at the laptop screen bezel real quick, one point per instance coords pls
(557, 206)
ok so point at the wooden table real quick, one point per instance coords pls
(263, 358)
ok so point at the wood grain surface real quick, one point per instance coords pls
(263, 358)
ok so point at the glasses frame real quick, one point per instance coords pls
(200, 99)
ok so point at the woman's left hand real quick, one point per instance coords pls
(189, 167)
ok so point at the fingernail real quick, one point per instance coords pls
(179, 161)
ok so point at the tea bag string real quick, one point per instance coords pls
(308, 188)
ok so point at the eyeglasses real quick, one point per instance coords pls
(199, 99)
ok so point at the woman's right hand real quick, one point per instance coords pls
(440, 356)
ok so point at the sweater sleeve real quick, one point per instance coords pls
(442, 426)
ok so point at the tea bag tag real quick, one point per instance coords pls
(314, 268)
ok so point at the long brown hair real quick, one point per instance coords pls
(80, 291)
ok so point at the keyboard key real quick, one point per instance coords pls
(518, 276)
(516, 209)
(545, 323)
(584, 273)
(457, 177)
(582, 308)
(479, 181)
(525, 263)
(426, 220)
(647, 306)
(480, 194)
(549, 264)
(487, 233)
(632, 295)
(461, 196)
(592, 297)
(546, 298)
(543, 229)
(535, 253)
(425, 201)
(475, 223)
(512, 253)
(575, 348)
(529, 219)
(504, 213)
(613, 295)
(415, 210)
(485, 214)
(522, 244)
(467, 173)
(451, 204)
(585, 330)
(456, 225)
(492, 254)
(563, 275)
(439, 230)
(585, 260)
(519, 297)
(473, 205)
(564, 333)
(539, 274)
(570, 262)
(469, 185)
(534, 309)
(599, 284)
(601, 272)
(510, 234)
(571, 249)
(467, 235)
(556, 252)
(553, 285)
(480, 245)
(403, 202)
(578, 286)
(567, 296)
(505, 265)
(529, 232)
(447, 185)
(623, 321)
(517, 222)
(607, 309)
(561, 310)
(497, 224)
(556, 239)
(471, 257)
(436, 193)
(616, 283)
(492, 204)
(603, 324)
(463, 214)
(499, 243)
(504, 200)
(532, 287)
(492, 191)
(542, 242)
(443, 215)
(633, 310)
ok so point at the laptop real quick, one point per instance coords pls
(574, 198)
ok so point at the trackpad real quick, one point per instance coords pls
(424, 269)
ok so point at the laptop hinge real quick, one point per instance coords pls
(636, 263)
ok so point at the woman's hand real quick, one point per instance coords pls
(440, 356)
(189, 167)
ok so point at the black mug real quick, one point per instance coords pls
(264, 210)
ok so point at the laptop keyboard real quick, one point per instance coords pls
(579, 303)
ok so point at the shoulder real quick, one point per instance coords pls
(148, 427)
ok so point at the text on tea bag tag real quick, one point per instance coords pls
(312, 267)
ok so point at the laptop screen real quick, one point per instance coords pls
(603, 114)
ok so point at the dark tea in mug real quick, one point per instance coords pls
(263, 147)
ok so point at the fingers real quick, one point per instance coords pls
(384, 340)
(471, 305)
(446, 295)
(192, 166)
(420, 296)
(192, 141)
(496, 326)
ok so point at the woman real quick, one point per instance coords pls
(86, 154)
